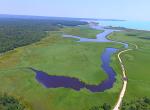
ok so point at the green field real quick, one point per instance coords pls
(83, 31)
(136, 62)
(57, 56)
(60, 56)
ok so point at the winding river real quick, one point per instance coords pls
(50, 81)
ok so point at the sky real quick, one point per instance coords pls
(105, 9)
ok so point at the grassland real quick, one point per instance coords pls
(83, 31)
(136, 62)
(57, 56)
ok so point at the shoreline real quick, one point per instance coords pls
(117, 27)
(108, 83)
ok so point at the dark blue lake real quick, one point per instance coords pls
(50, 81)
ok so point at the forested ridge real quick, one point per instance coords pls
(19, 32)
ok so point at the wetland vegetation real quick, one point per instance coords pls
(41, 45)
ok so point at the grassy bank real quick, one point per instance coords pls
(82, 31)
(136, 63)
(56, 56)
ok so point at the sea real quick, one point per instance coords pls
(139, 25)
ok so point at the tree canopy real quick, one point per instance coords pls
(19, 32)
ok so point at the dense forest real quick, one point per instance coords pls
(16, 32)
(10, 103)
(137, 104)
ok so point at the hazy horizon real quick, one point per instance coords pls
(60, 17)
(99, 9)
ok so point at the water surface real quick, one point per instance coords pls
(139, 25)
(51, 81)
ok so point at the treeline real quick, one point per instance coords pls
(105, 106)
(10, 103)
(19, 32)
(138, 104)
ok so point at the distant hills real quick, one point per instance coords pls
(2, 16)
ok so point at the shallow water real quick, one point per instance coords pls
(50, 81)
(99, 37)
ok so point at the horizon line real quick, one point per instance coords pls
(92, 18)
